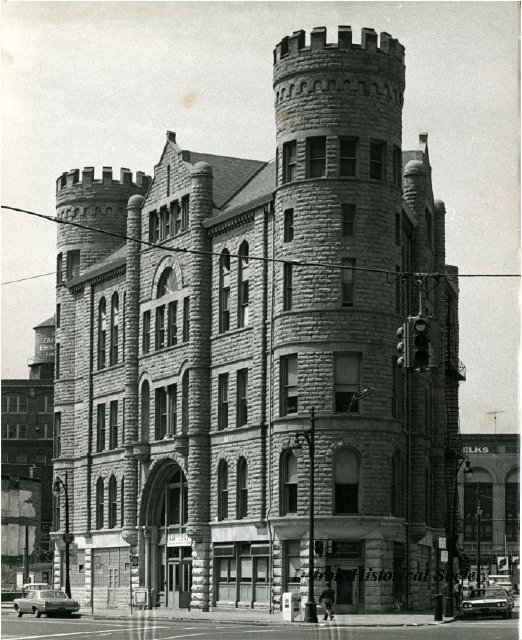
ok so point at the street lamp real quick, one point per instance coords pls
(460, 460)
(67, 536)
(309, 436)
(479, 514)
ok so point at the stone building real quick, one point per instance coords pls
(188, 359)
(494, 488)
(27, 460)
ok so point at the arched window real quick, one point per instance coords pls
(115, 321)
(224, 291)
(243, 286)
(173, 511)
(102, 333)
(347, 475)
(113, 502)
(167, 283)
(288, 483)
(145, 411)
(242, 488)
(512, 504)
(222, 490)
(100, 503)
(396, 484)
(478, 493)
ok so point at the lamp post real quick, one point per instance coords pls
(67, 536)
(479, 514)
(309, 436)
(460, 460)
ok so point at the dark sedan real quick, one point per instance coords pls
(50, 602)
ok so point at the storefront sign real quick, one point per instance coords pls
(478, 450)
(442, 543)
(178, 540)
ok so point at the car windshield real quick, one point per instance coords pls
(488, 593)
(52, 595)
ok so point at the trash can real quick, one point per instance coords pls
(291, 607)
(438, 607)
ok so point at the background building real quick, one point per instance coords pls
(187, 361)
(494, 487)
(27, 460)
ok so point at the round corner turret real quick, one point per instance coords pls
(414, 167)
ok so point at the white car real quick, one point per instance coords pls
(488, 601)
(34, 586)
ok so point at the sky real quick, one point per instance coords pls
(99, 84)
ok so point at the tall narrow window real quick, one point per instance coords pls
(115, 320)
(73, 264)
(347, 379)
(185, 212)
(397, 167)
(224, 291)
(287, 285)
(58, 313)
(172, 326)
(172, 397)
(429, 228)
(146, 332)
(288, 382)
(168, 180)
(59, 268)
(377, 160)
(512, 506)
(186, 319)
(242, 488)
(289, 225)
(348, 220)
(185, 402)
(223, 401)
(145, 411)
(113, 424)
(100, 503)
(396, 484)
(222, 490)
(242, 397)
(288, 483)
(348, 157)
(57, 434)
(122, 502)
(243, 285)
(102, 333)
(289, 161)
(398, 229)
(316, 157)
(347, 474)
(160, 327)
(176, 215)
(348, 281)
(478, 493)
(113, 502)
(100, 428)
(161, 413)
(57, 347)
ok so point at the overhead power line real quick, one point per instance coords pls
(299, 263)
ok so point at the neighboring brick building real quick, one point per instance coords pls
(185, 368)
(495, 463)
(27, 455)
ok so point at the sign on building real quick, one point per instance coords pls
(178, 540)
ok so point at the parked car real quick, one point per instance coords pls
(488, 601)
(500, 581)
(52, 601)
(35, 586)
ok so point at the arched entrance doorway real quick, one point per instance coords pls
(171, 555)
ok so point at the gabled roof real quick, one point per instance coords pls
(230, 174)
(261, 184)
(47, 323)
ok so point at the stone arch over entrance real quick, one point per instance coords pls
(168, 549)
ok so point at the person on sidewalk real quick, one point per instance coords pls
(328, 595)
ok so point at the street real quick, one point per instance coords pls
(29, 629)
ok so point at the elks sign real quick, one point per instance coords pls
(477, 450)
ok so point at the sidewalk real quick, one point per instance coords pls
(254, 616)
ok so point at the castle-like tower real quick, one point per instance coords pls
(188, 362)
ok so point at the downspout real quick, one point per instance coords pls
(270, 405)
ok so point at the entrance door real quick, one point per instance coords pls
(346, 587)
(114, 583)
(179, 583)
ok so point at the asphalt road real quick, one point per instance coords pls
(86, 628)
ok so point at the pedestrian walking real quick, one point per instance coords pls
(328, 596)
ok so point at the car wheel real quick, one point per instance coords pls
(18, 612)
(36, 612)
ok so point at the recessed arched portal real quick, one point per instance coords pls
(168, 550)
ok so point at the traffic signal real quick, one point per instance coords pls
(420, 342)
(403, 346)
(318, 547)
